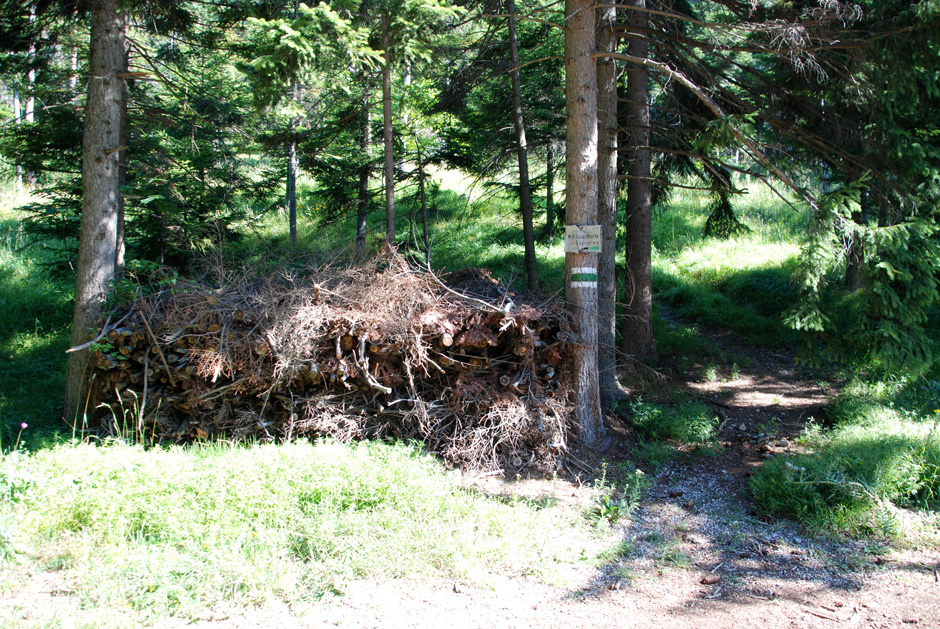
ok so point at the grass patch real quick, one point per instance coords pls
(35, 311)
(856, 474)
(691, 423)
(170, 532)
(741, 284)
(663, 430)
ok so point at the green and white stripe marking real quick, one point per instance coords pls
(584, 277)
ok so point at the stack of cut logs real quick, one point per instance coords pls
(477, 373)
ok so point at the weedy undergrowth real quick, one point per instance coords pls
(864, 475)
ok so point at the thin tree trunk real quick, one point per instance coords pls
(29, 106)
(73, 68)
(100, 187)
(855, 278)
(387, 122)
(549, 191)
(607, 205)
(581, 206)
(18, 119)
(525, 191)
(365, 170)
(637, 338)
(292, 164)
(119, 248)
(424, 205)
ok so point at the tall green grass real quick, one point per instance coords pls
(35, 309)
(742, 284)
(171, 532)
(854, 474)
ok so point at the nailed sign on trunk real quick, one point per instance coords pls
(582, 238)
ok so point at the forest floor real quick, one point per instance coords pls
(694, 553)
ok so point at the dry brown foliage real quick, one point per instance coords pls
(378, 350)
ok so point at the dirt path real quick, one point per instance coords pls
(694, 553)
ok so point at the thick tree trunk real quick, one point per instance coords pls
(581, 206)
(637, 338)
(387, 122)
(607, 205)
(100, 187)
(365, 171)
(525, 191)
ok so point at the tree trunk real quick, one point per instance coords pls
(100, 187)
(525, 191)
(855, 278)
(29, 107)
(581, 206)
(607, 205)
(30, 104)
(73, 68)
(424, 205)
(18, 119)
(292, 164)
(123, 140)
(365, 170)
(637, 338)
(549, 192)
(387, 122)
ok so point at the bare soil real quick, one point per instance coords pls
(695, 553)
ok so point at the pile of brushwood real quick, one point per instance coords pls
(380, 350)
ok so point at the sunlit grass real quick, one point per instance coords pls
(742, 284)
(175, 531)
(853, 476)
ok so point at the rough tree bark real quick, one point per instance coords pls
(607, 204)
(100, 186)
(637, 338)
(581, 209)
(525, 190)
